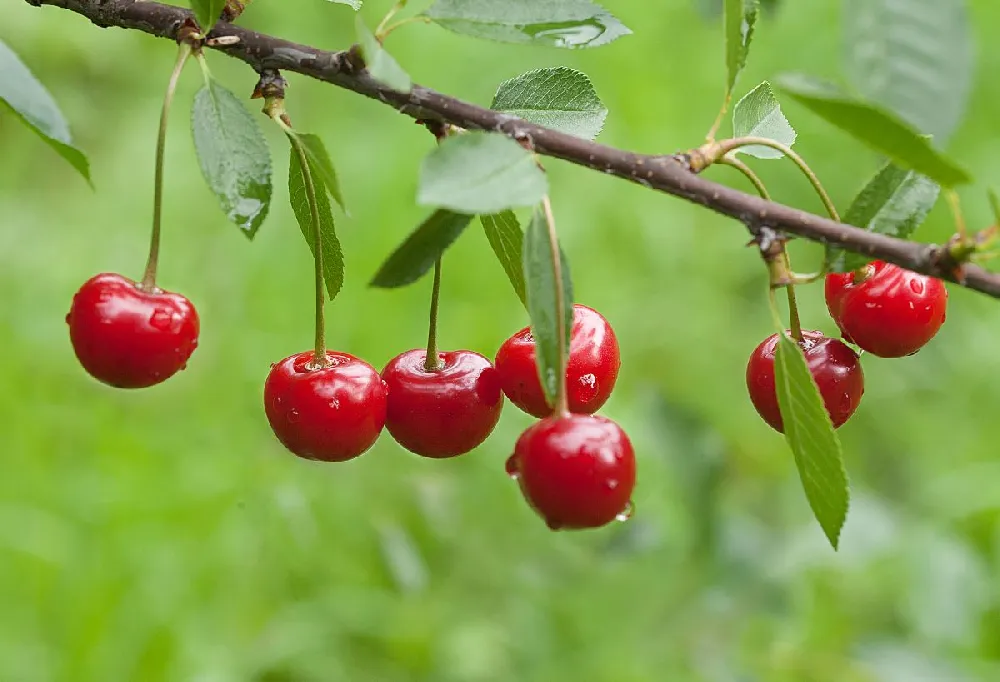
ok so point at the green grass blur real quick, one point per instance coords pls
(165, 535)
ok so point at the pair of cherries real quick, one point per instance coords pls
(883, 309)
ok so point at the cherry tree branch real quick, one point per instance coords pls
(664, 173)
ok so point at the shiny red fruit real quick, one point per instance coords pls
(332, 413)
(591, 373)
(576, 471)
(833, 365)
(892, 312)
(128, 337)
(446, 412)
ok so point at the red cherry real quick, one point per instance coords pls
(591, 373)
(576, 471)
(834, 366)
(446, 412)
(891, 313)
(128, 337)
(332, 413)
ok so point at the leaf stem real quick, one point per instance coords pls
(710, 137)
(562, 400)
(955, 204)
(431, 361)
(403, 22)
(149, 276)
(380, 31)
(735, 143)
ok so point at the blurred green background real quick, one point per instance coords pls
(165, 535)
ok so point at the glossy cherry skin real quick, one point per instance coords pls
(833, 365)
(591, 373)
(891, 313)
(128, 337)
(446, 412)
(331, 414)
(575, 470)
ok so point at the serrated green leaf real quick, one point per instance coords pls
(914, 57)
(324, 171)
(556, 23)
(811, 436)
(418, 253)
(758, 114)
(740, 16)
(894, 202)
(353, 4)
(994, 205)
(560, 98)
(207, 12)
(333, 255)
(32, 103)
(505, 236)
(540, 282)
(233, 156)
(380, 64)
(878, 129)
(480, 172)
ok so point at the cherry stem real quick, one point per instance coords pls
(380, 31)
(149, 276)
(431, 361)
(710, 137)
(562, 400)
(735, 143)
(403, 22)
(955, 204)
(793, 308)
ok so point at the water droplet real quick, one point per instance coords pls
(292, 416)
(276, 402)
(335, 404)
(912, 307)
(916, 286)
(273, 365)
(165, 320)
(553, 524)
(626, 513)
(612, 484)
(846, 404)
(588, 388)
(385, 385)
(870, 305)
(510, 466)
(67, 318)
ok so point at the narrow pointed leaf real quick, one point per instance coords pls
(480, 172)
(740, 18)
(207, 12)
(894, 202)
(811, 436)
(554, 23)
(28, 98)
(323, 169)
(878, 129)
(758, 114)
(505, 236)
(994, 205)
(540, 282)
(914, 57)
(233, 155)
(560, 98)
(333, 255)
(380, 64)
(418, 253)
(353, 4)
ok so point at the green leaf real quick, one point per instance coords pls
(560, 98)
(323, 170)
(555, 23)
(353, 4)
(740, 17)
(914, 57)
(812, 438)
(540, 281)
(207, 12)
(233, 155)
(880, 130)
(418, 253)
(379, 63)
(894, 202)
(758, 114)
(32, 103)
(505, 236)
(480, 172)
(994, 205)
(333, 256)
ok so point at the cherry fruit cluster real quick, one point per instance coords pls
(882, 309)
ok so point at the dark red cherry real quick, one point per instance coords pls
(890, 313)
(128, 337)
(332, 413)
(576, 471)
(591, 373)
(833, 365)
(445, 412)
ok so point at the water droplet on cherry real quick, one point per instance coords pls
(916, 286)
(292, 416)
(510, 466)
(626, 513)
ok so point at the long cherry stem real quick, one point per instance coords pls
(149, 276)
(562, 400)
(431, 361)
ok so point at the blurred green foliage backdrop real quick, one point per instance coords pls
(165, 535)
